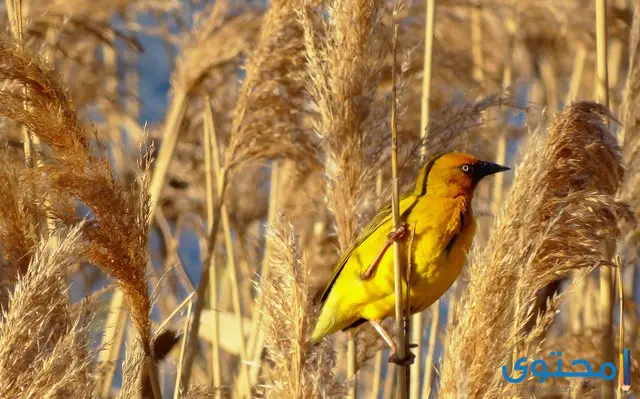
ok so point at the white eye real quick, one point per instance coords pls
(465, 168)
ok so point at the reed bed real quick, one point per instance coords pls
(195, 271)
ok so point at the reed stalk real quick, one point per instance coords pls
(429, 362)
(430, 19)
(352, 363)
(417, 322)
(256, 337)
(173, 313)
(150, 368)
(607, 304)
(377, 375)
(14, 14)
(235, 297)
(114, 327)
(220, 215)
(618, 264)
(221, 177)
(501, 150)
(170, 140)
(476, 43)
(389, 382)
(550, 82)
(576, 74)
(209, 138)
(398, 266)
(185, 335)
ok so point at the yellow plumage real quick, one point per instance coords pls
(441, 228)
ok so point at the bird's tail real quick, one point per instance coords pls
(319, 331)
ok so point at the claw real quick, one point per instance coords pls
(396, 235)
(411, 346)
(399, 233)
(407, 361)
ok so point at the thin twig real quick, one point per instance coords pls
(398, 271)
(176, 392)
(173, 314)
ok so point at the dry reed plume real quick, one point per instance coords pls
(344, 90)
(561, 215)
(299, 369)
(43, 345)
(630, 138)
(18, 223)
(118, 230)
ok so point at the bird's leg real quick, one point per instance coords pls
(407, 361)
(385, 336)
(395, 235)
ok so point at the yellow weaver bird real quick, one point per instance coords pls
(438, 226)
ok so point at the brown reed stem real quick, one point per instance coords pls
(352, 363)
(398, 270)
(209, 154)
(113, 333)
(606, 276)
(220, 214)
(426, 70)
(150, 367)
(417, 322)
(377, 377)
(635, 293)
(618, 264)
(576, 74)
(433, 334)
(549, 81)
(235, 298)
(170, 140)
(501, 151)
(377, 368)
(202, 287)
(14, 14)
(476, 44)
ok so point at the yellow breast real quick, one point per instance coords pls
(433, 277)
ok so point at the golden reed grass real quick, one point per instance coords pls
(299, 368)
(42, 342)
(118, 239)
(560, 216)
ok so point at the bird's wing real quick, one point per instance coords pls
(383, 216)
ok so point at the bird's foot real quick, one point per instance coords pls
(407, 361)
(399, 233)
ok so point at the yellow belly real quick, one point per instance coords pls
(430, 278)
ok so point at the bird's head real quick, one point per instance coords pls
(453, 174)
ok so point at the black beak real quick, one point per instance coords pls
(483, 169)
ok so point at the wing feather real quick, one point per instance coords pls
(383, 216)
